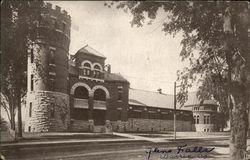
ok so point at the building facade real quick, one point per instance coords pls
(204, 113)
(80, 93)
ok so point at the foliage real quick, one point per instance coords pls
(216, 43)
(203, 43)
(19, 23)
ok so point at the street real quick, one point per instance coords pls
(119, 150)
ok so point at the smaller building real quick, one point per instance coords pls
(204, 113)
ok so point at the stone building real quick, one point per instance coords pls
(80, 93)
(204, 113)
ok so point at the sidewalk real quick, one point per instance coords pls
(43, 139)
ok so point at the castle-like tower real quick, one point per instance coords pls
(47, 93)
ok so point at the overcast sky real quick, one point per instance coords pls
(145, 56)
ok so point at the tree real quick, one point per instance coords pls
(18, 32)
(211, 31)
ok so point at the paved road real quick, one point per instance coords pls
(115, 150)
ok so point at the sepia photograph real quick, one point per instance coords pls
(125, 80)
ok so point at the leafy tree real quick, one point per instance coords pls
(18, 31)
(216, 42)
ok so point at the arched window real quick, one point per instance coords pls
(86, 66)
(97, 70)
(97, 67)
(100, 95)
(81, 93)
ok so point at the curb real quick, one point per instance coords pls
(101, 141)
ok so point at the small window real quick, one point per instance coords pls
(136, 114)
(52, 82)
(208, 119)
(205, 119)
(64, 27)
(198, 119)
(52, 112)
(119, 93)
(54, 23)
(31, 55)
(32, 82)
(88, 72)
(30, 110)
(119, 96)
(52, 56)
(29, 128)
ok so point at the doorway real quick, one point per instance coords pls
(99, 117)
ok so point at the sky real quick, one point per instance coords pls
(145, 56)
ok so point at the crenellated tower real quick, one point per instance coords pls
(47, 93)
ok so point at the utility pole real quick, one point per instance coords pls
(174, 110)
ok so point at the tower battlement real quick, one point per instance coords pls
(57, 10)
(47, 69)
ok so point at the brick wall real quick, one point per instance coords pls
(114, 106)
(50, 112)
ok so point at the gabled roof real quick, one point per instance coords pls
(151, 99)
(89, 50)
(161, 100)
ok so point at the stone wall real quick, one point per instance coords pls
(150, 125)
(157, 125)
(50, 112)
(119, 126)
(135, 125)
(205, 127)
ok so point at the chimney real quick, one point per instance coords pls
(108, 68)
(159, 90)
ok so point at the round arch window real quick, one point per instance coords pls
(81, 93)
(100, 95)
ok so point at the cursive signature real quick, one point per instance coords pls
(179, 151)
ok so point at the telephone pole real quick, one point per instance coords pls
(174, 110)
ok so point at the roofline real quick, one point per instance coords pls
(158, 107)
(89, 55)
(152, 91)
(103, 57)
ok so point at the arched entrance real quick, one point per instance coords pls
(81, 107)
(99, 106)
